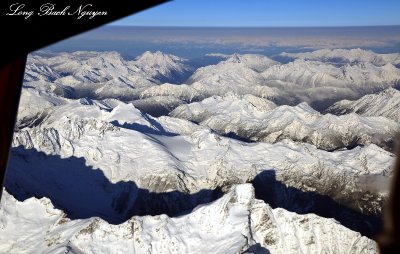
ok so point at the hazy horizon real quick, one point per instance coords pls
(193, 42)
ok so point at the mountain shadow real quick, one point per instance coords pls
(257, 249)
(83, 192)
(277, 194)
(144, 129)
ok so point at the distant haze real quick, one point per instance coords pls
(192, 42)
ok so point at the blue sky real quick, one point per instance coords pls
(270, 13)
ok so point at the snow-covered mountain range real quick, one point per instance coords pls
(154, 155)
(312, 81)
(344, 56)
(257, 119)
(100, 75)
(385, 103)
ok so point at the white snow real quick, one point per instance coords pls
(385, 103)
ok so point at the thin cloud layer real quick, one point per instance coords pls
(345, 37)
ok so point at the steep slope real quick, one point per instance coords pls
(163, 67)
(235, 223)
(36, 69)
(158, 105)
(385, 103)
(264, 122)
(182, 91)
(35, 105)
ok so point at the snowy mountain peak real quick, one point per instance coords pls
(235, 58)
(307, 108)
(158, 57)
(164, 67)
(256, 62)
(111, 57)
